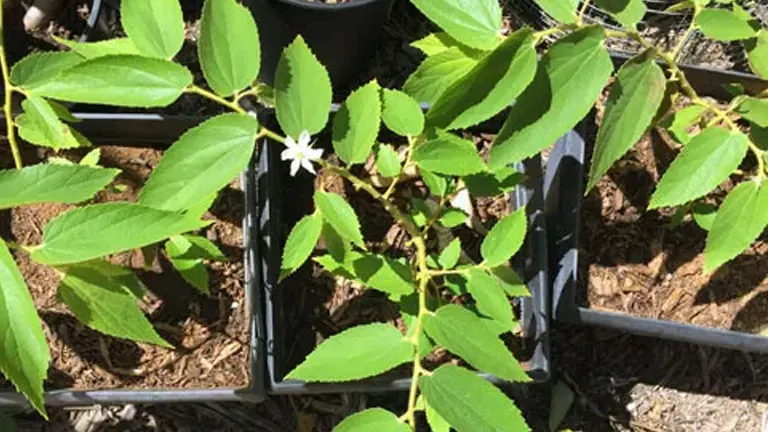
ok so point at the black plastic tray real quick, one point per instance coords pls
(272, 199)
(157, 131)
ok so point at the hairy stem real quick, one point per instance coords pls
(7, 108)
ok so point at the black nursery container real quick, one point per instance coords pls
(279, 200)
(149, 130)
(563, 188)
(344, 36)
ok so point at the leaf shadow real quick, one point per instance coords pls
(735, 279)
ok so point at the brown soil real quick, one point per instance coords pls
(317, 305)
(211, 334)
(636, 263)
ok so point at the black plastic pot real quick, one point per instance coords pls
(563, 186)
(156, 131)
(344, 36)
(281, 205)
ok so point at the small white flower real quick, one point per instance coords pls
(301, 153)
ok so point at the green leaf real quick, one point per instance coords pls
(568, 81)
(510, 282)
(356, 125)
(491, 184)
(337, 212)
(63, 112)
(42, 117)
(504, 239)
(92, 158)
(103, 304)
(704, 214)
(420, 211)
(46, 183)
(448, 154)
(435, 43)
(376, 271)
(476, 25)
(634, 100)
(754, 110)
(156, 27)
(435, 421)
(144, 82)
(198, 209)
(437, 184)
(490, 298)
(122, 276)
(560, 404)
(187, 253)
(356, 353)
(436, 73)
(372, 419)
(489, 86)
(387, 162)
(757, 53)
(627, 12)
(301, 242)
(401, 114)
(561, 10)
(33, 129)
(25, 356)
(449, 257)
(452, 217)
(201, 162)
(703, 164)
(724, 25)
(229, 48)
(678, 123)
(302, 90)
(39, 68)
(336, 245)
(742, 217)
(470, 403)
(120, 226)
(91, 50)
(409, 312)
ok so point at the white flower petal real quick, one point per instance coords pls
(291, 144)
(287, 154)
(304, 139)
(295, 167)
(307, 164)
(314, 153)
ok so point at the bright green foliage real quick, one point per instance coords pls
(229, 48)
(24, 354)
(755, 110)
(436, 73)
(561, 10)
(121, 276)
(704, 163)
(742, 217)
(435, 43)
(356, 125)
(187, 253)
(510, 282)
(144, 82)
(448, 154)
(340, 215)
(104, 304)
(452, 218)
(33, 129)
(489, 86)
(490, 297)
(92, 158)
(91, 50)
(387, 161)
(436, 422)
(469, 403)
(301, 242)
(497, 182)
(724, 25)
(376, 271)
(634, 100)
(401, 114)
(372, 419)
(504, 239)
(39, 68)
(438, 185)
(302, 90)
(121, 226)
(156, 27)
(475, 23)
(42, 118)
(757, 53)
(355, 353)
(462, 333)
(678, 123)
(201, 162)
(704, 214)
(627, 12)
(449, 257)
(567, 83)
(47, 183)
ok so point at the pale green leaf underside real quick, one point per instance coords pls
(121, 226)
(372, 419)
(448, 154)
(475, 23)
(201, 162)
(356, 353)
(156, 27)
(356, 125)
(337, 212)
(41, 116)
(229, 48)
(24, 354)
(48, 183)
(504, 239)
(387, 162)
